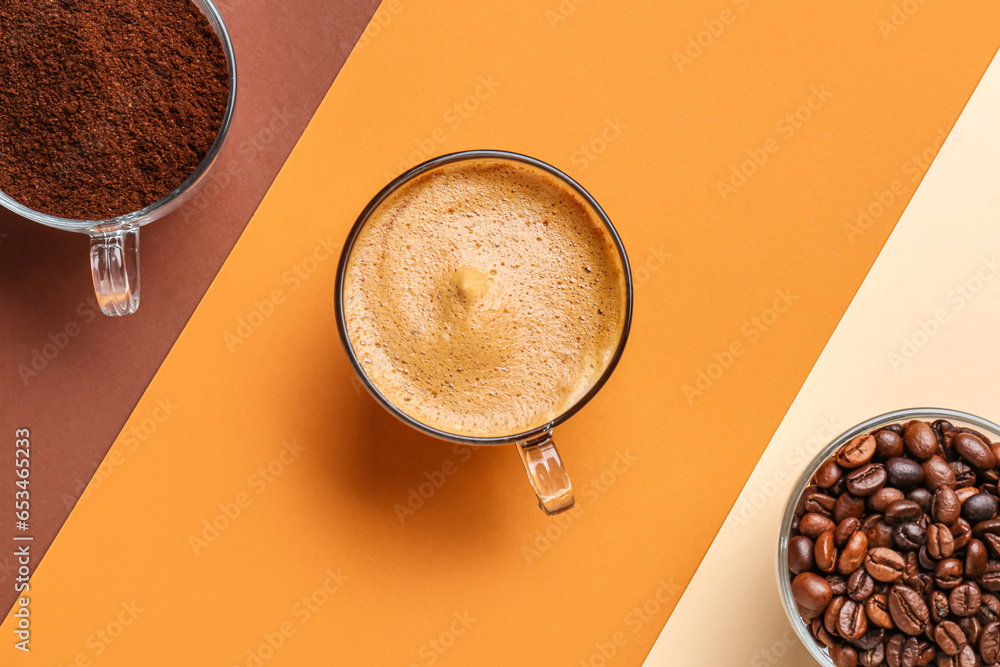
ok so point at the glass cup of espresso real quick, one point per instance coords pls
(114, 242)
(483, 297)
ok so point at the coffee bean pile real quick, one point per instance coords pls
(895, 549)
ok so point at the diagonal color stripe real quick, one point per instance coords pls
(278, 516)
(920, 332)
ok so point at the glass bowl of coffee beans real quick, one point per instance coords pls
(889, 551)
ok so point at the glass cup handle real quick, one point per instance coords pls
(114, 261)
(547, 474)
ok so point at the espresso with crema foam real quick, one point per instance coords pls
(484, 298)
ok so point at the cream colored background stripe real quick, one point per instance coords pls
(923, 330)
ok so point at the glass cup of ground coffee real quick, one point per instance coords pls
(483, 298)
(889, 547)
(113, 114)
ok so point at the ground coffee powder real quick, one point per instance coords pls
(106, 106)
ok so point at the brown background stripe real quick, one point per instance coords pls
(73, 376)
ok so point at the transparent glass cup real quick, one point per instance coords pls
(537, 449)
(958, 419)
(114, 242)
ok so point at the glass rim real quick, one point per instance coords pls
(821, 654)
(422, 168)
(162, 205)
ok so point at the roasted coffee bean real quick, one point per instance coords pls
(908, 610)
(825, 552)
(964, 474)
(992, 541)
(980, 507)
(813, 525)
(800, 554)
(844, 655)
(966, 492)
(848, 505)
(860, 585)
(974, 451)
(988, 526)
(940, 541)
(945, 429)
(820, 503)
(831, 616)
(990, 579)
(989, 611)
(925, 560)
(966, 657)
(828, 474)
(971, 627)
(904, 473)
(948, 573)
(965, 599)
(922, 497)
(811, 593)
(857, 452)
(902, 511)
(817, 630)
(945, 506)
(938, 606)
(874, 636)
(962, 532)
(949, 637)
(912, 567)
(844, 530)
(866, 480)
(989, 642)
(838, 584)
(877, 609)
(885, 564)
(975, 559)
(874, 657)
(887, 445)
(938, 474)
(879, 535)
(921, 583)
(852, 622)
(908, 536)
(853, 554)
(919, 440)
(894, 650)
